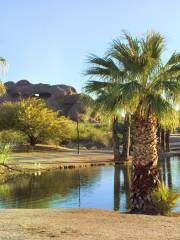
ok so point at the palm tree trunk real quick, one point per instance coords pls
(145, 172)
(116, 140)
(126, 138)
(159, 134)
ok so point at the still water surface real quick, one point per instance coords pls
(105, 187)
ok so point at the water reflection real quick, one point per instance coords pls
(96, 187)
(122, 186)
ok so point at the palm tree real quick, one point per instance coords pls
(3, 65)
(141, 84)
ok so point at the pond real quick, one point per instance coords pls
(105, 187)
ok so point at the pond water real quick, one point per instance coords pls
(105, 187)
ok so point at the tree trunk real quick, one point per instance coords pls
(32, 141)
(159, 134)
(145, 172)
(116, 140)
(167, 140)
(162, 139)
(126, 138)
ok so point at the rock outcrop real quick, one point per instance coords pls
(61, 98)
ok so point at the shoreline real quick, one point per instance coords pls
(25, 163)
(85, 224)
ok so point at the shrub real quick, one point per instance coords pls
(163, 200)
(12, 137)
(5, 151)
(35, 120)
(93, 135)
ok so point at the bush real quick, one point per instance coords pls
(12, 137)
(35, 120)
(5, 151)
(92, 135)
(163, 200)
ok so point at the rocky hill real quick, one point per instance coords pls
(61, 98)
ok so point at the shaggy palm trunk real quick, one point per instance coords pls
(116, 140)
(126, 138)
(159, 134)
(167, 140)
(145, 172)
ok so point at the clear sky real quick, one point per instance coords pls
(48, 40)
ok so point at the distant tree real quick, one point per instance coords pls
(168, 124)
(32, 117)
(3, 65)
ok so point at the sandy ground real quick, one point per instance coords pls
(82, 224)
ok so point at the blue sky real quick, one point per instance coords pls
(48, 40)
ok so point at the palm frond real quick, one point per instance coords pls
(168, 87)
(174, 59)
(157, 105)
(131, 90)
(104, 68)
(128, 59)
(108, 102)
(96, 86)
(153, 45)
(133, 43)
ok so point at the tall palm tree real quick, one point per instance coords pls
(140, 83)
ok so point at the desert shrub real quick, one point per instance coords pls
(12, 137)
(163, 200)
(5, 151)
(94, 135)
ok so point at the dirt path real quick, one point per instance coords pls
(85, 224)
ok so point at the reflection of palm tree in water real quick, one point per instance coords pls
(127, 184)
(169, 172)
(122, 188)
(116, 188)
(166, 173)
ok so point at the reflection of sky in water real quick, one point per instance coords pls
(96, 187)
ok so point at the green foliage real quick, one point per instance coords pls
(171, 122)
(163, 200)
(93, 135)
(35, 120)
(9, 115)
(12, 137)
(133, 78)
(5, 151)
